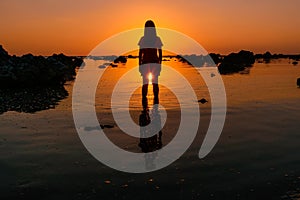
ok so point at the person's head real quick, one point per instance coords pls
(149, 23)
(149, 30)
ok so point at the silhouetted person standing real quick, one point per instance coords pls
(150, 57)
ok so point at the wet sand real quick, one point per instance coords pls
(255, 158)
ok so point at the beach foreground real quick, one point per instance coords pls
(256, 156)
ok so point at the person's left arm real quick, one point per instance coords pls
(160, 55)
(140, 56)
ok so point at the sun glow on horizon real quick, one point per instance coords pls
(219, 26)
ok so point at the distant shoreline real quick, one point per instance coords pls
(30, 70)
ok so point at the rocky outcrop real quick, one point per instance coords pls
(197, 60)
(4, 57)
(268, 57)
(236, 62)
(120, 59)
(217, 58)
(203, 101)
(232, 63)
(29, 70)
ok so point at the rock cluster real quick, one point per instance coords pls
(236, 62)
(34, 83)
(120, 59)
(29, 70)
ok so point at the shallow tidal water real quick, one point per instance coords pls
(256, 156)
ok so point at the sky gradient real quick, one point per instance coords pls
(76, 27)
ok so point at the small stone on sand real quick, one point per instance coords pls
(203, 101)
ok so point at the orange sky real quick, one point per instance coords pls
(76, 27)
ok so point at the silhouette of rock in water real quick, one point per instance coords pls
(298, 82)
(30, 71)
(236, 62)
(217, 58)
(196, 60)
(232, 63)
(121, 59)
(267, 57)
(295, 63)
(30, 100)
(203, 101)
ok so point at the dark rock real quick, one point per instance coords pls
(106, 126)
(236, 62)
(181, 59)
(195, 60)
(295, 63)
(208, 60)
(203, 101)
(217, 58)
(298, 82)
(131, 56)
(267, 57)
(121, 59)
(30, 71)
(113, 65)
(4, 57)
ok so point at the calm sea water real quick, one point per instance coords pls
(256, 156)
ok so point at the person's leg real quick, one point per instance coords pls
(155, 89)
(145, 87)
(145, 102)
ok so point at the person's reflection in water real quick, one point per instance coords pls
(150, 58)
(156, 124)
(148, 141)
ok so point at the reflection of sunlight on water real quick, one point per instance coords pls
(150, 78)
(166, 96)
(269, 87)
